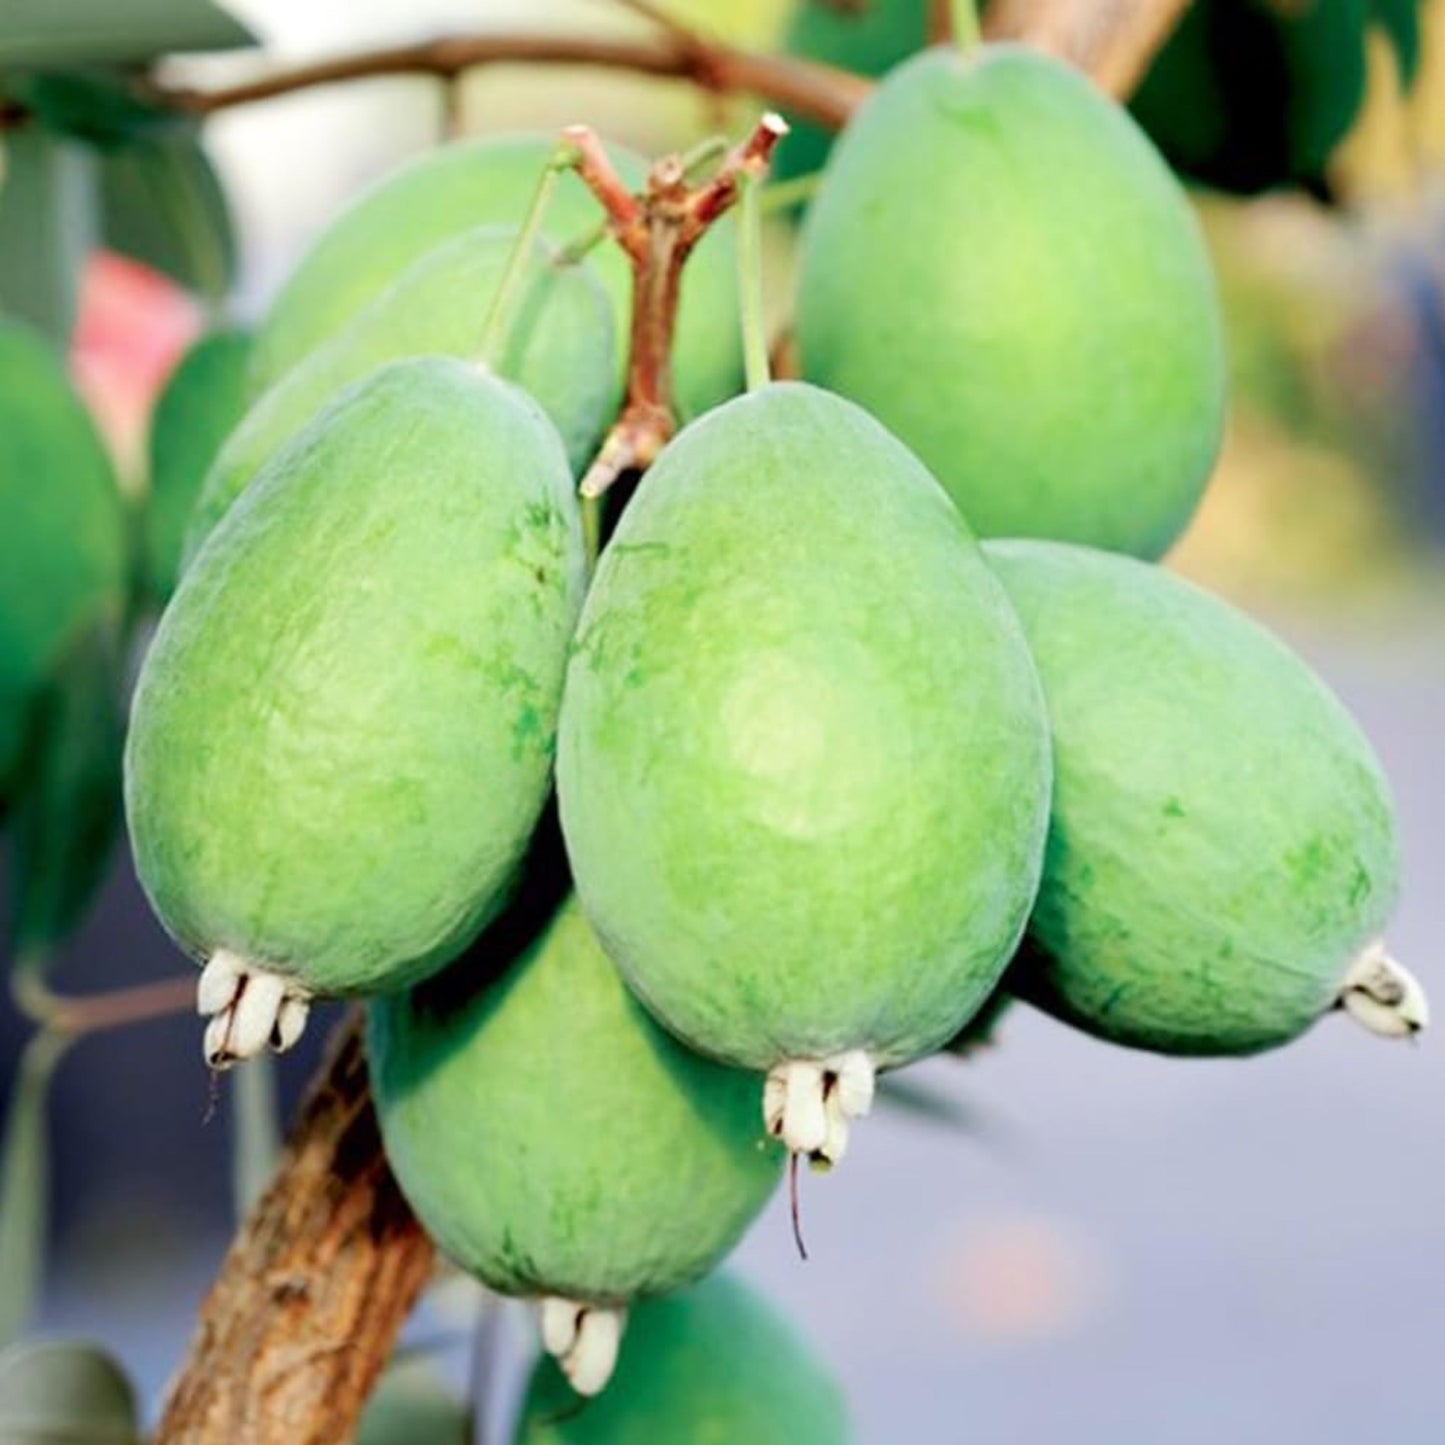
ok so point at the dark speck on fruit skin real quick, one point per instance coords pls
(1173, 808)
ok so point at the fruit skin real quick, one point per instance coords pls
(1251, 94)
(490, 182)
(343, 732)
(1223, 841)
(551, 1137)
(868, 40)
(803, 765)
(559, 350)
(62, 546)
(202, 402)
(716, 1363)
(1001, 269)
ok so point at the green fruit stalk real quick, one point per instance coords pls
(62, 543)
(203, 400)
(803, 764)
(557, 1143)
(558, 348)
(715, 1363)
(342, 736)
(1223, 855)
(489, 182)
(1003, 271)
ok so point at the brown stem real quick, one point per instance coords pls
(74, 1015)
(1111, 40)
(314, 1288)
(657, 231)
(816, 92)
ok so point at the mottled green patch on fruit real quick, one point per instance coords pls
(551, 1137)
(559, 352)
(716, 1365)
(342, 736)
(803, 765)
(1230, 930)
(1003, 271)
(490, 182)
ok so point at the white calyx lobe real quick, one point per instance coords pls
(584, 1339)
(248, 1008)
(809, 1103)
(1384, 995)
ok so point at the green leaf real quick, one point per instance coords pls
(98, 106)
(411, 1405)
(162, 204)
(24, 1177)
(255, 1132)
(67, 806)
(49, 217)
(64, 1393)
(80, 32)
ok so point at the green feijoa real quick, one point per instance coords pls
(490, 182)
(716, 1363)
(203, 400)
(557, 1143)
(1223, 853)
(557, 346)
(63, 536)
(342, 735)
(803, 763)
(1000, 267)
(865, 39)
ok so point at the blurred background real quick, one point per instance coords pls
(1086, 1244)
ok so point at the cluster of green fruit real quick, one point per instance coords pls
(826, 765)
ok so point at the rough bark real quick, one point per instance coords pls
(314, 1288)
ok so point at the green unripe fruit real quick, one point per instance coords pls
(62, 542)
(1002, 270)
(714, 1364)
(865, 39)
(1249, 94)
(203, 400)
(557, 1143)
(490, 182)
(803, 764)
(557, 347)
(1223, 852)
(342, 736)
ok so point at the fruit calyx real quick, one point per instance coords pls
(1384, 995)
(250, 1008)
(583, 1338)
(809, 1103)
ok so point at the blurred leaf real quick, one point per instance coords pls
(97, 106)
(203, 400)
(48, 226)
(78, 32)
(67, 805)
(63, 1393)
(1400, 20)
(24, 1178)
(162, 204)
(255, 1133)
(413, 1405)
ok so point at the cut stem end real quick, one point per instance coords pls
(248, 1009)
(584, 1340)
(810, 1103)
(1384, 995)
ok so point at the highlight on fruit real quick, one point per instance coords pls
(669, 642)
